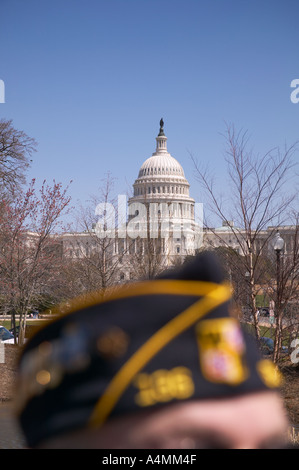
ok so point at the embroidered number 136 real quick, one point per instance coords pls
(164, 385)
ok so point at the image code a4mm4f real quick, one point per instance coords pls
(150, 459)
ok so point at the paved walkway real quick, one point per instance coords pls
(10, 434)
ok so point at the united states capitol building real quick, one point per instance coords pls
(160, 225)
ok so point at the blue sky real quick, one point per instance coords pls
(90, 80)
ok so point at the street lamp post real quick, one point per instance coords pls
(247, 278)
(278, 248)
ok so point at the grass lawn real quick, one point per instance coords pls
(7, 323)
(267, 331)
(31, 325)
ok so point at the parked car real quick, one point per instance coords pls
(264, 312)
(6, 336)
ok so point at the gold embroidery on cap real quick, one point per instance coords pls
(164, 385)
(269, 374)
(221, 351)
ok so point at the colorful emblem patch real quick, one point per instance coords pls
(221, 350)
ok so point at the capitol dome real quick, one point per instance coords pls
(158, 165)
(161, 176)
(163, 190)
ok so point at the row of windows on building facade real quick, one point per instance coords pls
(139, 191)
(170, 213)
(122, 247)
(160, 171)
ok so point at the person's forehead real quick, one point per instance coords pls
(256, 418)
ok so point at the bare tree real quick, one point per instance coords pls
(147, 259)
(30, 247)
(94, 252)
(16, 149)
(257, 198)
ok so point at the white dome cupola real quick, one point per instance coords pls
(161, 176)
(161, 140)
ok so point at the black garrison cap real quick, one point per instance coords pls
(143, 345)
